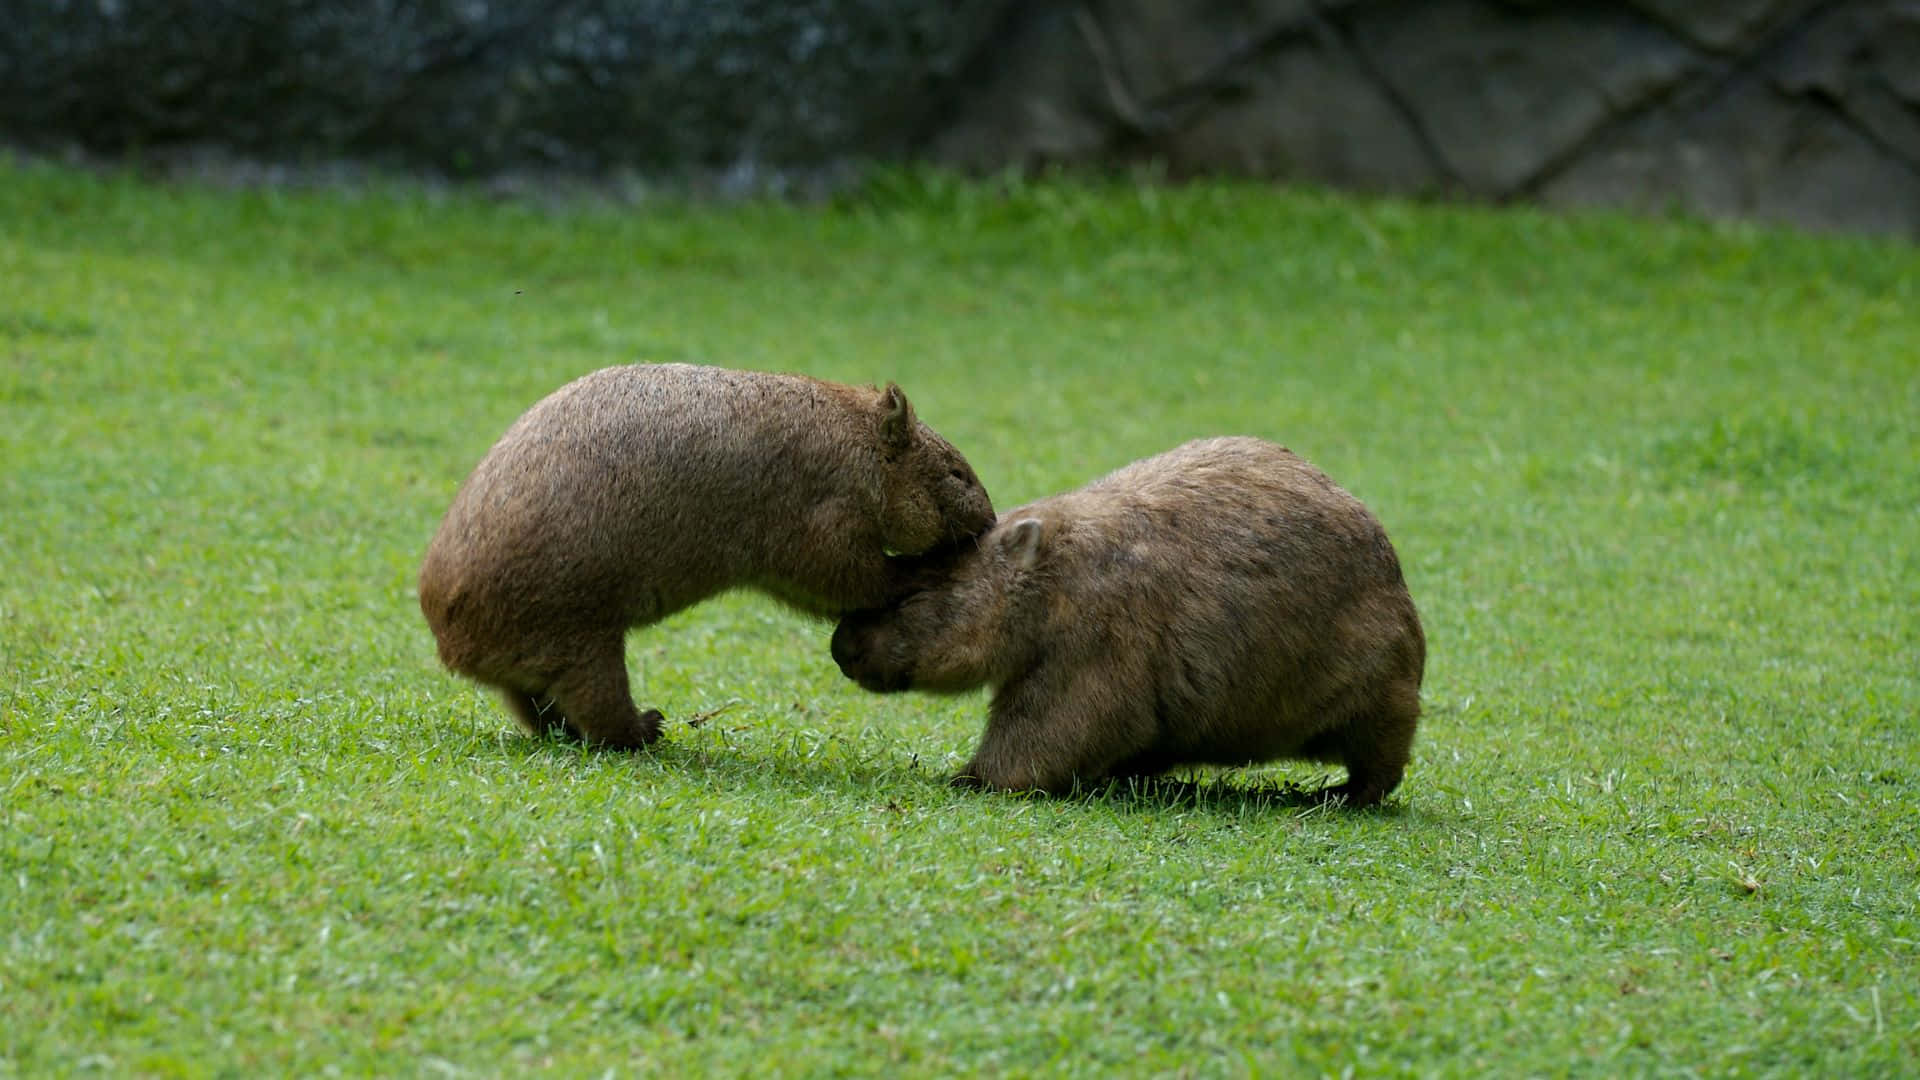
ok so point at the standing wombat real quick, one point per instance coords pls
(1222, 603)
(633, 492)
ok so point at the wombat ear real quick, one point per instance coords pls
(1023, 543)
(896, 423)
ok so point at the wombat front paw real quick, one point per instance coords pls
(644, 729)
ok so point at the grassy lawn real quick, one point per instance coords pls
(1656, 486)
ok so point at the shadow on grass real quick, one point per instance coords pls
(805, 762)
(1219, 794)
(885, 778)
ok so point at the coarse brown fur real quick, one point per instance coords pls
(636, 491)
(1222, 603)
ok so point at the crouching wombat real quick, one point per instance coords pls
(636, 491)
(1222, 603)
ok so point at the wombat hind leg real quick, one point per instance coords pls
(966, 780)
(1375, 749)
(539, 716)
(1356, 793)
(596, 705)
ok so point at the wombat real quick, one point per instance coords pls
(633, 492)
(1222, 603)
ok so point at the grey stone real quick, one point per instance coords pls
(1750, 152)
(1307, 113)
(1860, 62)
(1798, 111)
(1040, 99)
(1723, 25)
(1504, 94)
(1167, 48)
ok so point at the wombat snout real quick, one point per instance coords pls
(853, 649)
(967, 527)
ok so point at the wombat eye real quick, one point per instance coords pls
(959, 474)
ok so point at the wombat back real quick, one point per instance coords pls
(1221, 603)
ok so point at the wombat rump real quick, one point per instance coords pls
(636, 491)
(1222, 603)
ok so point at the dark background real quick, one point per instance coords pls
(1795, 111)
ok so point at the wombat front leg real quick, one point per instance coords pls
(594, 698)
(1043, 734)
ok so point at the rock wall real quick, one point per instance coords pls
(1778, 109)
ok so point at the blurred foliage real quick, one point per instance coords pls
(476, 85)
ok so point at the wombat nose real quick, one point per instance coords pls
(845, 652)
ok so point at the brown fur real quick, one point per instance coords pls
(634, 492)
(1222, 603)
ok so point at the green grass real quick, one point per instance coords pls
(1655, 485)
